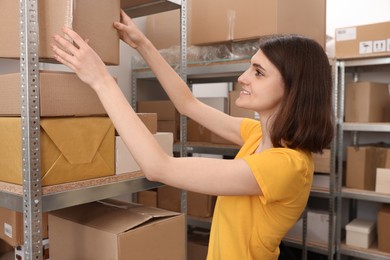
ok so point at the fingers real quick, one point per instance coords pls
(62, 56)
(74, 36)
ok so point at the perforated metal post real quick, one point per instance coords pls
(30, 128)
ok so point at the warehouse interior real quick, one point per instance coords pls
(88, 197)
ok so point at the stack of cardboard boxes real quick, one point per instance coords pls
(77, 142)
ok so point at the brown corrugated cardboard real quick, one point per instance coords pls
(198, 205)
(370, 40)
(124, 160)
(384, 228)
(115, 231)
(197, 132)
(366, 102)
(171, 126)
(61, 94)
(322, 161)
(12, 226)
(72, 149)
(164, 108)
(147, 198)
(382, 180)
(197, 245)
(149, 120)
(221, 20)
(362, 162)
(92, 19)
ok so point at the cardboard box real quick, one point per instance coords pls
(362, 162)
(384, 228)
(171, 126)
(366, 102)
(360, 233)
(147, 198)
(13, 229)
(322, 161)
(321, 181)
(61, 94)
(197, 244)
(165, 109)
(19, 251)
(92, 19)
(382, 180)
(197, 132)
(72, 149)
(124, 160)
(116, 230)
(230, 20)
(198, 205)
(149, 120)
(370, 40)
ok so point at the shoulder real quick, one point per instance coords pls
(249, 127)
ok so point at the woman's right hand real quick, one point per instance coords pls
(128, 31)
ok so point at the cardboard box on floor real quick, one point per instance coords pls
(61, 94)
(369, 40)
(367, 102)
(92, 19)
(12, 223)
(116, 230)
(72, 149)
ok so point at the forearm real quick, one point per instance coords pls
(141, 143)
(173, 84)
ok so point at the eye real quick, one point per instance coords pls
(259, 73)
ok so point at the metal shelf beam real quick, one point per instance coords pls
(134, 9)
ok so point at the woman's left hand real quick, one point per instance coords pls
(80, 58)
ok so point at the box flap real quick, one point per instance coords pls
(360, 225)
(111, 216)
(66, 134)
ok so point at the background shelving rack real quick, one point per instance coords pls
(355, 66)
(31, 200)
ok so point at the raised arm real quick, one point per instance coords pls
(177, 90)
(204, 175)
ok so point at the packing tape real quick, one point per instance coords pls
(231, 15)
(70, 10)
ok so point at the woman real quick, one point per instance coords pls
(261, 193)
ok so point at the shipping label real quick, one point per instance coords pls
(346, 34)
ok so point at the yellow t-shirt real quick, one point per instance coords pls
(251, 227)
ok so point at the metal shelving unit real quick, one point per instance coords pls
(355, 67)
(31, 200)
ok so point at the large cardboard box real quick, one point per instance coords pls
(367, 102)
(124, 160)
(230, 20)
(384, 228)
(322, 161)
(61, 94)
(382, 180)
(92, 19)
(197, 132)
(12, 230)
(362, 162)
(72, 149)
(116, 230)
(370, 40)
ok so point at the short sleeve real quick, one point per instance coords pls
(249, 127)
(281, 173)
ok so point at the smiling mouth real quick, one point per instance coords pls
(245, 92)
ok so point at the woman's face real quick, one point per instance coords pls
(262, 86)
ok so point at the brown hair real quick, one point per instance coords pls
(304, 120)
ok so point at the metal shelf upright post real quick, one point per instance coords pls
(30, 128)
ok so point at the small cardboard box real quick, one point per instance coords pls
(61, 94)
(72, 149)
(360, 233)
(198, 205)
(149, 120)
(12, 227)
(322, 161)
(370, 40)
(164, 108)
(124, 160)
(197, 132)
(384, 228)
(116, 230)
(230, 20)
(367, 102)
(92, 19)
(147, 198)
(382, 180)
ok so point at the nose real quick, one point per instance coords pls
(242, 78)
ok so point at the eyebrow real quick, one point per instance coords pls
(258, 66)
